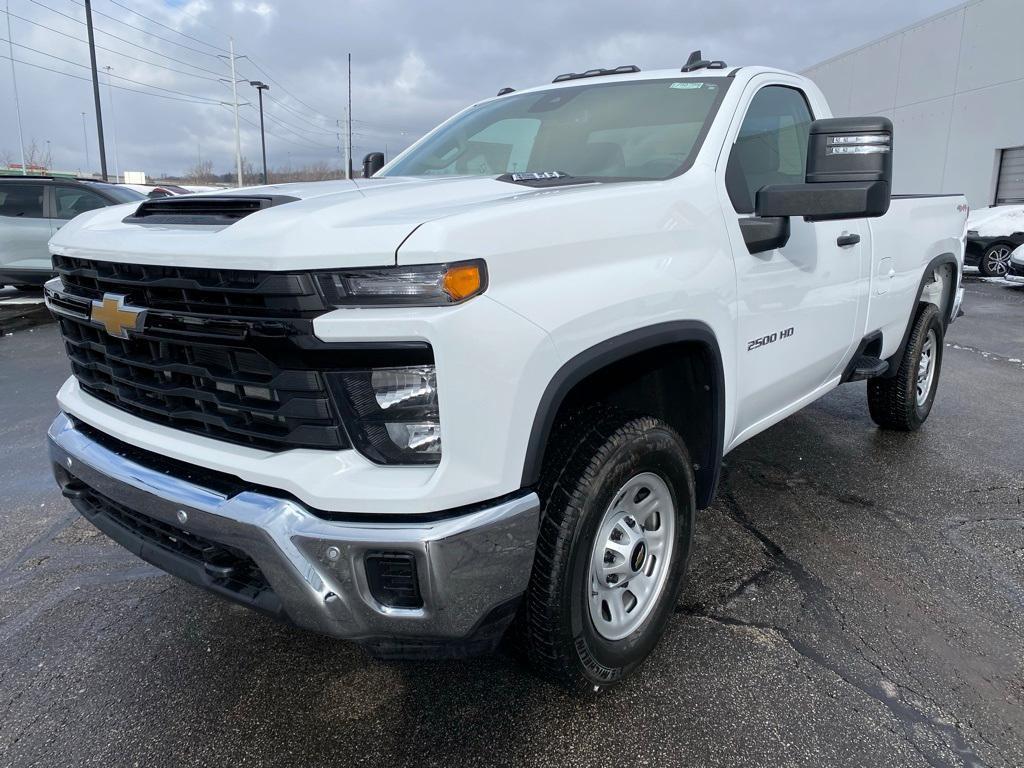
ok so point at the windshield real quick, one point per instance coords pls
(637, 129)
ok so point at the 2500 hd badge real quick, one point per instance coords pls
(771, 337)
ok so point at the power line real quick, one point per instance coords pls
(119, 87)
(99, 13)
(119, 77)
(293, 128)
(127, 56)
(289, 93)
(300, 136)
(282, 138)
(165, 26)
(332, 120)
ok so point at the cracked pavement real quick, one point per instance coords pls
(855, 598)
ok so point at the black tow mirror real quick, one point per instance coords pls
(849, 173)
(372, 163)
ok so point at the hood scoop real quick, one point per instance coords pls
(215, 210)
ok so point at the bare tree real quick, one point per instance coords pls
(35, 157)
(201, 173)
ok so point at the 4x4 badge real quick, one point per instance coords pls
(116, 317)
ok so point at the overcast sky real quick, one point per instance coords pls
(413, 63)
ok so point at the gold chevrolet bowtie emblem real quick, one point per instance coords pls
(116, 317)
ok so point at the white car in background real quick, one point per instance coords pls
(32, 208)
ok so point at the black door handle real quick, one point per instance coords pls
(844, 240)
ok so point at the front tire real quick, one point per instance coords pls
(903, 402)
(995, 262)
(615, 537)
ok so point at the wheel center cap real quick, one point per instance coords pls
(639, 556)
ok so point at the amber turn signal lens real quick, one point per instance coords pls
(462, 281)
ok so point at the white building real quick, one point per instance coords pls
(953, 85)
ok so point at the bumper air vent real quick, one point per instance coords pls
(392, 579)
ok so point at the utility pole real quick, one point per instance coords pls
(234, 97)
(95, 88)
(348, 144)
(85, 142)
(113, 124)
(260, 88)
(14, 80)
(341, 145)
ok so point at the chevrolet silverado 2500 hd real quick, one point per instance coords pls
(486, 389)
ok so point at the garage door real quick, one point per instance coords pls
(1010, 187)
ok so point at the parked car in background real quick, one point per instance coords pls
(32, 208)
(992, 235)
(157, 190)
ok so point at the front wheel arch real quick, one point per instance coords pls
(567, 391)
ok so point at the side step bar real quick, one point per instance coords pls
(864, 364)
(866, 367)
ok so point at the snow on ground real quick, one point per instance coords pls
(998, 220)
(1015, 282)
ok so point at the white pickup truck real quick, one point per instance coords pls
(488, 387)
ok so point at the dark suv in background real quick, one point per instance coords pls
(991, 254)
(32, 208)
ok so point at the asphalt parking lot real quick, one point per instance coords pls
(856, 598)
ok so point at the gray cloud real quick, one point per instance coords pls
(414, 63)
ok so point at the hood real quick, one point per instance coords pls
(333, 224)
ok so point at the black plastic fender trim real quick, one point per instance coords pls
(605, 353)
(896, 357)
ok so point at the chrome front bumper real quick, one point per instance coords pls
(471, 567)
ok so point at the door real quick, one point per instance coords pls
(1010, 184)
(24, 228)
(797, 305)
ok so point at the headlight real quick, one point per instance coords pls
(426, 285)
(392, 414)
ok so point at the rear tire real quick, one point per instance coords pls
(903, 402)
(618, 494)
(995, 262)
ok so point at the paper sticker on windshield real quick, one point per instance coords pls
(687, 85)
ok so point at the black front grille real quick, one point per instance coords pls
(227, 354)
(225, 566)
(218, 292)
(220, 391)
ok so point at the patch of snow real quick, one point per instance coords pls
(1016, 283)
(996, 221)
(4, 300)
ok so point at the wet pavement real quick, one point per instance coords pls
(855, 598)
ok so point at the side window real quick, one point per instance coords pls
(71, 201)
(23, 201)
(771, 147)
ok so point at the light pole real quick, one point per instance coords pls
(260, 88)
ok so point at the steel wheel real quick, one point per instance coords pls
(926, 368)
(629, 564)
(997, 261)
